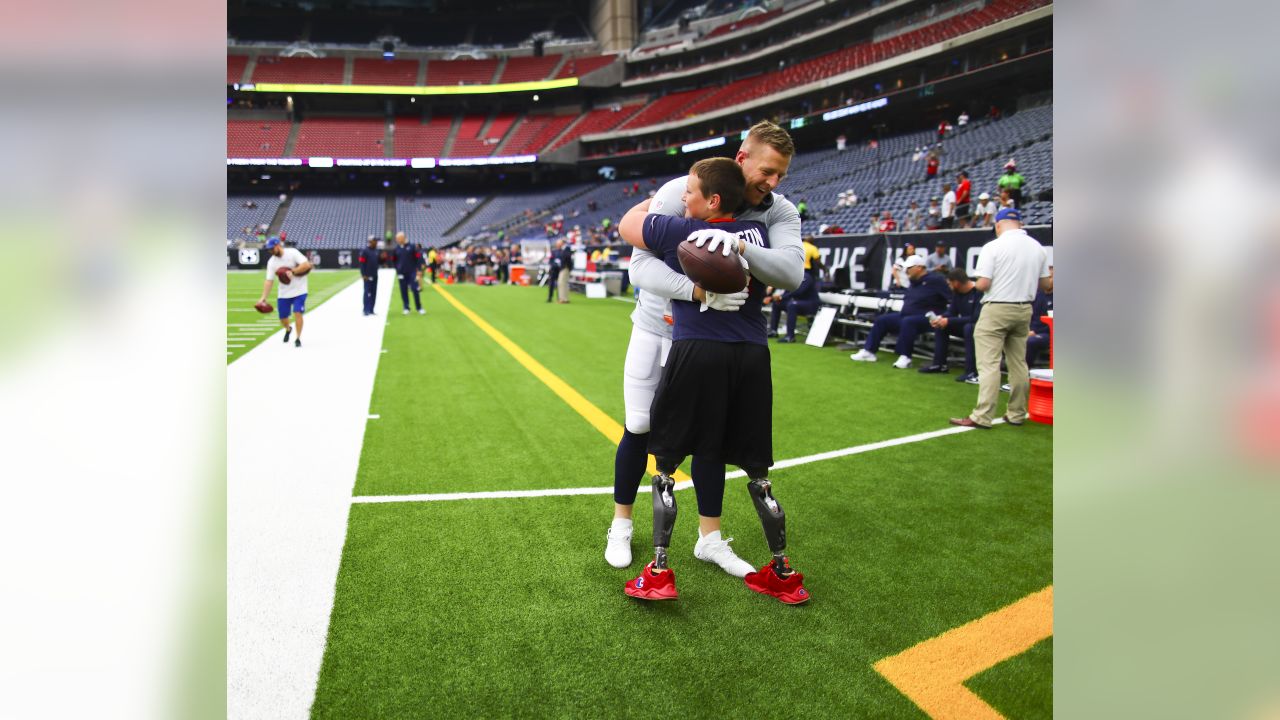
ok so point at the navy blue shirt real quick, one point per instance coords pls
(964, 307)
(369, 261)
(808, 290)
(1039, 308)
(930, 292)
(662, 235)
(406, 259)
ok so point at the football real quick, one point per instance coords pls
(263, 307)
(712, 270)
(283, 275)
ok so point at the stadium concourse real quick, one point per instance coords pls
(418, 503)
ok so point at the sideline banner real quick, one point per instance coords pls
(864, 262)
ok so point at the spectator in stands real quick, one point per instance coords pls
(1013, 181)
(887, 223)
(939, 259)
(802, 207)
(931, 165)
(369, 272)
(984, 211)
(1038, 336)
(1010, 268)
(875, 223)
(962, 214)
(957, 322)
(911, 221)
(942, 129)
(933, 215)
(841, 142)
(409, 263)
(1006, 200)
(963, 119)
(928, 293)
(948, 207)
(919, 153)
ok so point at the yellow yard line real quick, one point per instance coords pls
(932, 674)
(584, 407)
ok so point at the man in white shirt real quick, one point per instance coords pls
(1010, 269)
(948, 206)
(292, 296)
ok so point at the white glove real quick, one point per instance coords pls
(724, 302)
(719, 239)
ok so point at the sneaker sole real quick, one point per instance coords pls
(650, 597)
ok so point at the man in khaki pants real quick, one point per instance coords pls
(1010, 268)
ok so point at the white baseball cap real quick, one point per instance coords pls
(913, 261)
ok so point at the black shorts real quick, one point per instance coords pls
(962, 210)
(715, 400)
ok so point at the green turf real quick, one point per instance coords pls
(247, 328)
(505, 607)
(1019, 688)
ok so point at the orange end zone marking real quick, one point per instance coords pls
(932, 674)
(584, 407)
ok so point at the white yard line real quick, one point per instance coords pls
(295, 425)
(498, 494)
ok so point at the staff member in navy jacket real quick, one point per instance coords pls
(958, 322)
(801, 301)
(409, 264)
(1038, 338)
(369, 271)
(928, 293)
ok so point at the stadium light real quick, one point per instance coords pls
(538, 86)
(422, 162)
(702, 145)
(854, 109)
(320, 162)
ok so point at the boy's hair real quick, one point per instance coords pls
(723, 177)
(773, 136)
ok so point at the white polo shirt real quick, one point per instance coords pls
(290, 258)
(1014, 262)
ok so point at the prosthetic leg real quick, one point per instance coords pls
(664, 510)
(657, 581)
(772, 517)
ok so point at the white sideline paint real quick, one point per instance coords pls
(288, 495)
(497, 494)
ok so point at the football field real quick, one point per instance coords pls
(472, 581)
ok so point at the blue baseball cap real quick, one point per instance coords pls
(1002, 214)
(272, 242)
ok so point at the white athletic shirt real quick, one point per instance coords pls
(1015, 262)
(290, 258)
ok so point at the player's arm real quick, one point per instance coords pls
(782, 265)
(302, 269)
(652, 275)
(631, 228)
(266, 289)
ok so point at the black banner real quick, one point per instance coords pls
(251, 258)
(865, 262)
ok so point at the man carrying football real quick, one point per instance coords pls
(290, 267)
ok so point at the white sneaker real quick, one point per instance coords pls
(712, 549)
(421, 311)
(406, 311)
(903, 362)
(1006, 388)
(863, 356)
(617, 548)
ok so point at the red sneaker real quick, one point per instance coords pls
(766, 581)
(651, 585)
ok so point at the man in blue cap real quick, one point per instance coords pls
(292, 296)
(1010, 269)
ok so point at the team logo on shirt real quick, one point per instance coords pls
(249, 256)
(344, 258)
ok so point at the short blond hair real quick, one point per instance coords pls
(773, 136)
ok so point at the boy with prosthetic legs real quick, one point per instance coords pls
(715, 396)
